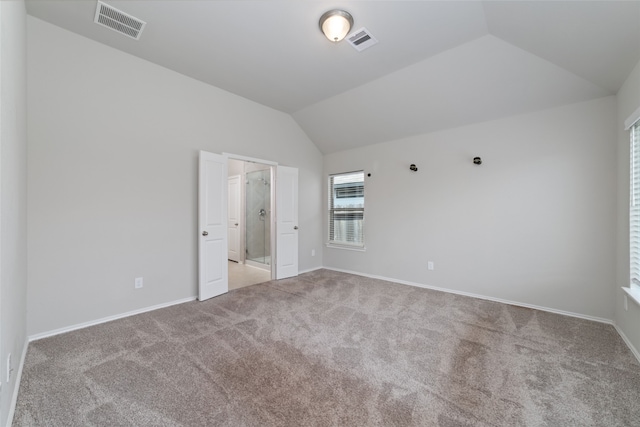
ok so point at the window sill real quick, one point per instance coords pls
(347, 248)
(633, 292)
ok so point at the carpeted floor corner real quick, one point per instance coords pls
(333, 349)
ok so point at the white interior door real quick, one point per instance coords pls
(212, 222)
(287, 222)
(234, 217)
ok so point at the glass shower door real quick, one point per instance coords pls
(258, 217)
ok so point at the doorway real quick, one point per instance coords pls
(214, 222)
(250, 237)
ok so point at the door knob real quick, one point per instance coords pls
(236, 224)
(295, 227)
(205, 233)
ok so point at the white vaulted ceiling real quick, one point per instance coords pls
(438, 64)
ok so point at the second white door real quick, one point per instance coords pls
(287, 222)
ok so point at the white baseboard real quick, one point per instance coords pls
(310, 270)
(16, 385)
(106, 319)
(484, 297)
(627, 341)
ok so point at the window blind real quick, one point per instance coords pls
(346, 209)
(634, 205)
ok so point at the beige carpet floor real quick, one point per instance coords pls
(332, 349)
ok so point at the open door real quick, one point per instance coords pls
(234, 218)
(287, 222)
(212, 221)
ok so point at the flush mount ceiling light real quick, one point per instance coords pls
(335, 24)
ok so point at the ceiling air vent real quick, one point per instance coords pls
(119, 21)
(361, 39)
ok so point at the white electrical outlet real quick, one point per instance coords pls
(138, 283)
(9, 367)
(430, 265)
(313, 252)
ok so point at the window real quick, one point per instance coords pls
(346, 209)
(634, 205)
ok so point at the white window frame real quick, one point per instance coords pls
(633, 124)
(345, 244)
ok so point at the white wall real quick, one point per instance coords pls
(13, 195)
(534, 224)
(628, 321)
(113, 145)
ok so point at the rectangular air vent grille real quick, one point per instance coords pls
(119, 21)
(361, 39)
